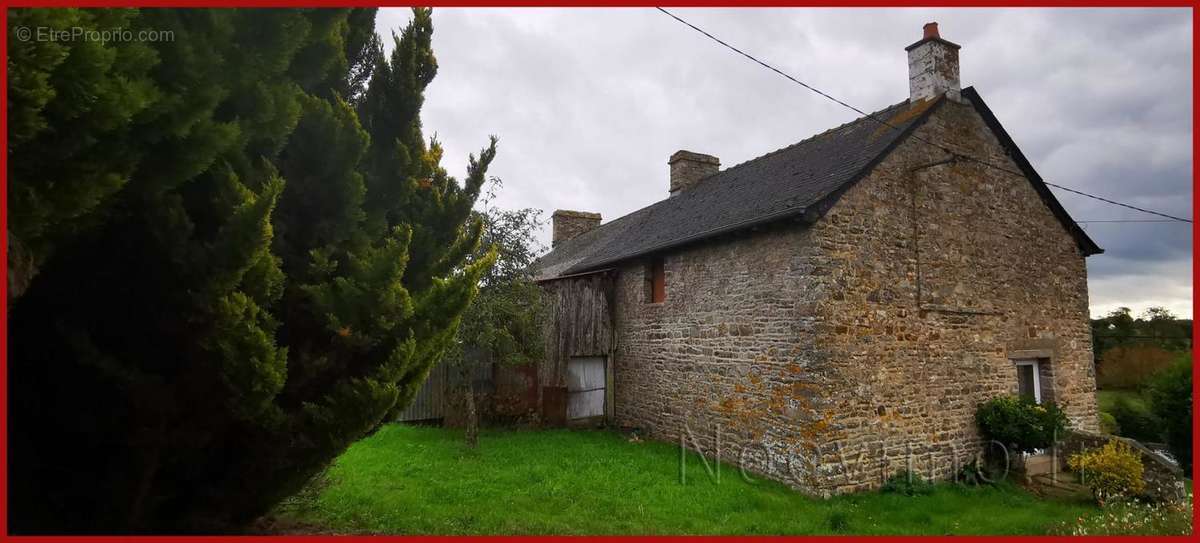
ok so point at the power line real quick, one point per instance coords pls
(1129, 220)
(952, 152)
(1106, 200)
(1101, 336)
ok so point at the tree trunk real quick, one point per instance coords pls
(22, 268)
(472, 433)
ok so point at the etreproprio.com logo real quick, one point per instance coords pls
(79, 33)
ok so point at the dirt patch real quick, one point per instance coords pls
(272, 525)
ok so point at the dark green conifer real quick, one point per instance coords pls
(249, 285)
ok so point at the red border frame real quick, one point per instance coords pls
(524, 3)
(4, 284)
(601, 3)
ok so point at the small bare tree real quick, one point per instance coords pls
(503, 324)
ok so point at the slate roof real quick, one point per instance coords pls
(797, 180)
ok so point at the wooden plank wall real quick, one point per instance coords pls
(579, 322)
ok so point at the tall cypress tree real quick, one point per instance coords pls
(247, 304)
(71, 110)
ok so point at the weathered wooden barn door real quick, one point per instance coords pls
(585, 388)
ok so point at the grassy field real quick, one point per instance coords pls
(420, 480)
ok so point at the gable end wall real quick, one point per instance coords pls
(944, 273)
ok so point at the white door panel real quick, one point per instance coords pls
(582, 405)
(585, 387)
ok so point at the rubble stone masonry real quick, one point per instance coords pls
(831, 355)
(568, 224)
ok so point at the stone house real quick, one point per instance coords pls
(831, 312)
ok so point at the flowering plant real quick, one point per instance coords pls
(1133, 517)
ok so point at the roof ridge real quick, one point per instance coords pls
(808, 139)
(767, 154)
(733, 202)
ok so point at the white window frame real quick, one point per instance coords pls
(1037, 377)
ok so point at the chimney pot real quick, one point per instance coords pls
(568, 224)
(932, 67)
(931, 31)
(687, 168)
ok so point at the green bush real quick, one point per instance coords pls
(907, 483)
(1108, 424)
(1112, 471)
(1020, 423)
(1170, 394)
(1135, 421)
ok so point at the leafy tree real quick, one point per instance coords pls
(1156, 326)
(1170, 394)
(503, 324)
(1128, 349)
(505, 320)
(260, 286)
(1166, 329)
(1113, 329)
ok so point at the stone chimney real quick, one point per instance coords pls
(688, 167)
(568, 224)
(932, 67)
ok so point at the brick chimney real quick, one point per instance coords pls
(568, 224)
(932, 67)
(688, 167)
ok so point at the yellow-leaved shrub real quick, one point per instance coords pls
(1112, 471)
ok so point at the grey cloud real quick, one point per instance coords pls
(589, 103)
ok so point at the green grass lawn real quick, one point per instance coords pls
(421, 480)
(1107, 398)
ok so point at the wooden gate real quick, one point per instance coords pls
(585, 388)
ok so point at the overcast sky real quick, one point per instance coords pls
(589, 103)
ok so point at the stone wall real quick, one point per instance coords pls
(737, 325)
(567, 224)
(1164, 480)
(944, 273)
(830, 356)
